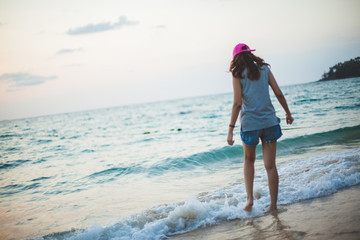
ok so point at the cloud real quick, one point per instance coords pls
(73, 65)
(24, 79)
(100, 27)
(160, 26)
(41, 32)
(68, 50)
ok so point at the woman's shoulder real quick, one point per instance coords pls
(264, 67)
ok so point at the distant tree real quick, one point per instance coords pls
(346, 69)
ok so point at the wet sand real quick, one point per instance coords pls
(336, 216)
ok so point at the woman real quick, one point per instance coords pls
(251, 80)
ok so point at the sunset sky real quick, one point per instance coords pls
(73, 55)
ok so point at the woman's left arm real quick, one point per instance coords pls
(235, 109)
(281, 98)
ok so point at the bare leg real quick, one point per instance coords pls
(249, 170)
(269, 155)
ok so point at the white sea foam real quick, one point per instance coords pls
(299, 179)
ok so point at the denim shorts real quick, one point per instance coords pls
(267, 135)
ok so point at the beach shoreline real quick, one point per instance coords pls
(336, 216)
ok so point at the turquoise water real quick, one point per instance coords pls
(152, 170)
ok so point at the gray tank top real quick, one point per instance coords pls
(257, 111)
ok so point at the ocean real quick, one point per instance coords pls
(154, 170)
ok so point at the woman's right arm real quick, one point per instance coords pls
(281, 98)
(235, 109)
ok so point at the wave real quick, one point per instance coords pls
(9, 135)
(13, 164)
(231, 154)
(199, 159)
(319, 176)
(347, 107)
(225, 156)
(285, 147)
(308, 101)
(338, 136)
(234, 154)
(170, 164)
(17, 188)
(117, 171)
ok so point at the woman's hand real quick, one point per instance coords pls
(289, 119)
(230, 140)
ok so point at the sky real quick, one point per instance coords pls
(74, 55)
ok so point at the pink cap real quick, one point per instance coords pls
(241, 47)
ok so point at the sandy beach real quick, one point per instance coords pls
(336, 216)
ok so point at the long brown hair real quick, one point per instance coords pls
(247, 60)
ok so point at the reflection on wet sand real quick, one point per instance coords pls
(311, 219)
(270, 226)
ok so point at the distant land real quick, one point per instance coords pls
(348, 69)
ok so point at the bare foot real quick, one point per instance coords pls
(248, 206)
(271, 209)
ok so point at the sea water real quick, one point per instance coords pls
(153, 170)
